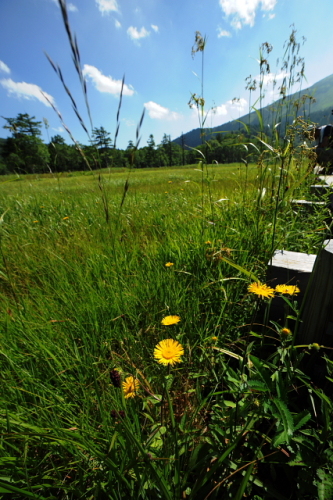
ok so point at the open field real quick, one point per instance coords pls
(84, 288)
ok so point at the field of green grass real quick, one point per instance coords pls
(90, 264)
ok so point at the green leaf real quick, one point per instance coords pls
(325, 485)
(301, 419)
(285, 416)
(241, 269)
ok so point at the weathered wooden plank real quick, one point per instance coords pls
(317, 317)
(293, 261)
(293, 268)
(320, 189)
(328, 179)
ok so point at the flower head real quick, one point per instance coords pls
(170, 320)
(286, 332)
(314, 346)
(168, 352)
(65, 218)
(169, 264)
(130, 387)
(262, 290)
(115, 378)
(287, 289)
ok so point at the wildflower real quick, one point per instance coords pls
(262, 290)
(170, 320)
(287, 289)
(208, 242)
(169, 182)
(314, 346)
(130, 387)
(115, 378)
(168, 352)
(36, 220)
(285, 331)
(214, 339)
(65, 218)
(117, 414)
(169, 264)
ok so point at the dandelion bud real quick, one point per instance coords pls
(115, 378)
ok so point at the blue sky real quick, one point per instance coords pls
(150, 41)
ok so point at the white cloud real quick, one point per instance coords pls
(227, 111)
(105, 83)
(271, 77)
(60, 130)
(4, 67)
(158, 112)
(155, 28)
(244, 11)
(72, 8)
(106, 6)
(271, 16)
(136, 34)
(117, 24)
(25, 90)
(221, 32)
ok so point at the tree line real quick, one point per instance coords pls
(25, 151)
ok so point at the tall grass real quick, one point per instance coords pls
(84, 288)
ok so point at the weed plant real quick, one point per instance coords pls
(95, 276)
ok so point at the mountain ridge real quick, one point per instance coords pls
(319, 111)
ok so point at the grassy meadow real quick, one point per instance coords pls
(90, 265)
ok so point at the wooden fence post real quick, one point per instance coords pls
(317, 316)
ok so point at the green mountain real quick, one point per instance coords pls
(314, 103)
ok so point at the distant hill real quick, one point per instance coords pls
(319, 111)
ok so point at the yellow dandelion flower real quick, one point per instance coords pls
(285, 331)
(130, 387)
(208, 242)
(262, 290)
(287, 289)
(214, 339)
(36, 220)
(168, 352)
(169, 264)
(170, 182)
(65, 218)
(170, 320)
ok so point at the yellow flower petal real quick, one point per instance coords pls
(130, 387)
(168, 352)
(170, 320)
(261, 290)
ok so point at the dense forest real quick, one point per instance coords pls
(25, 151)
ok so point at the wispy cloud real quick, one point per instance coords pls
(25, 90)
(136, 34)
(60, 130)
(117, 24)
(105, 83)
(158, 112)
(106, 6)
(271, 77)
(221, 33)
(244, 11)
(4, 67)
(70, 6)
(155, 28)
(234, 105)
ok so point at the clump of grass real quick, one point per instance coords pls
(126, 377)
